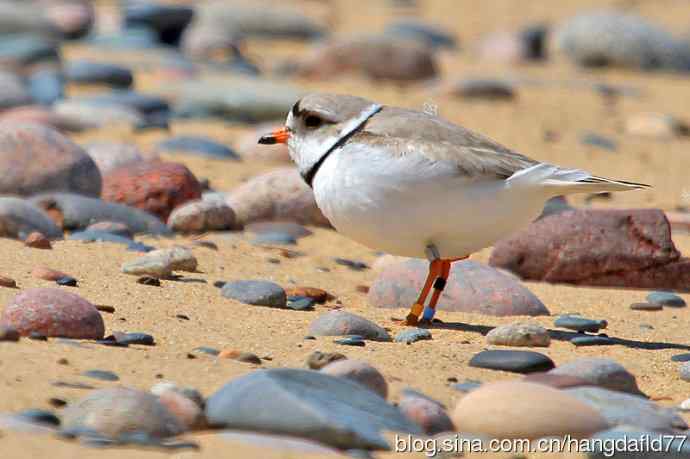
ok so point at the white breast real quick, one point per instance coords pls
(402, 204)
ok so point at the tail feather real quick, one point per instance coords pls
(566, 181)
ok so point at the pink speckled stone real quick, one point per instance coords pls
(53, 312)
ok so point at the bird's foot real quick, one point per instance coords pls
(413, 317)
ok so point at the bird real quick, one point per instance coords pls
(413, 184)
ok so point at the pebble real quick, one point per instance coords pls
(53, 312)
(46, 86)
(9, 334)
(352, 264)
(116, 228)
(255, 292)
(684, 405)
(291, 228)
(685, 357)
(307, 404)
(99, 73)
(14, 91)
(274, 238)
(599, 141)
(197, 145)
(601, 372)
(21, 50)
(207, 350)
(516, 409)
(117, 411)
(103, 375)
(684, 371)
(7, 282)
(580, 324)
(37, 416)
(185, 403)
(157, 266)
(200, 216)
(589, 340)
(425, 34)
(279, 195)
(181, 258)
(667, 299)
(317, 295)
(656, 125)
(513, 361)
(67, 281)
(484, 89)
(108, 156)
(42, 159)
(92, 115)
(353, 340)
(300, 303)
(466, 386)
(126, 339)
(343, 323)
(146, 104)
(74, 212)
(19, 218)
(619, 408)
(360, 372)
(429, 414)
(105, 308)
(168, 22)
(240, 356)
(412, 335)
(154, 186)
(37, 336)
(472, 287)
(318, 359)
(37, 240)
(520, 334)
(48, 274)
(646, 307)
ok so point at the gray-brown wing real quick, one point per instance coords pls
(474, 155)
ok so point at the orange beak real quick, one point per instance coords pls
(278, 136)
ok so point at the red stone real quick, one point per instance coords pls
(37, 240)
(471, 287)
(154, 186)
(611, 248)
(7, 282)
(53, 312)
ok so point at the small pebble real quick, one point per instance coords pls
(36, 336)
(412, 335)
(105, 308)
(37, 416)
(580, 324)
(274, 238)
(646, 307)
(353, 340)
(70, 385)
(240, 356)
(684, 371)
(37, 240)
(684, 405)
(143, 339)
(521, 334)
(103, 375)
(207, 350)
(7, 282)
(219, 284)
(466, 386)
(599, 141)
(256, 292)
(148, 280)
(589, 340)
(666, 299)
(56, 402)
(352, 264)
(681, 357)
(316, 294)
(318, 359)
(300, 303)
(513, 361)
(8, 333)
(67, 281)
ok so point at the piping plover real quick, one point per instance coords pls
(412, 184)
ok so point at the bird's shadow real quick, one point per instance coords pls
(562, 335)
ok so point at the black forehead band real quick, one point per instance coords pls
(296, 110)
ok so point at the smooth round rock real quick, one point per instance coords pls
(47, 86)
(278, 195)
(360, 372)
(19, 218)
(117, 411)
(601, 372)
(521, 334)
(514, 409)
(102, 375)
(308, 404)
(471, 287)
(255, 292)
(684, 357)
(92, 115)
(98, 73)
(116, 228)
(201, 216)
(156, 266)
(667, 299)
(37, 240)
(684, 371)
(580, 324)
(412, 335)
(53, 312)
(646, 307)
(181, 258)
(36, 159)
(343, 323)
(108, 156)
(154, 186)
(196, 145)
(513, 361)
(589, 340)
(351, 340)
(429, 414)
(619, 408)
(484, 89)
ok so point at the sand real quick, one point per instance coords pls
(29, 367)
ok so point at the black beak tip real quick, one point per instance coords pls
(267, 139)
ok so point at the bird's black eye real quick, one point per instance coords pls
(312, 121)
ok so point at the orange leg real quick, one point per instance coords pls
(439, 285)
(417, 309)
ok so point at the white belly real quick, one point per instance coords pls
(402, 205)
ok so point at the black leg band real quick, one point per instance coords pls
(439, 284)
